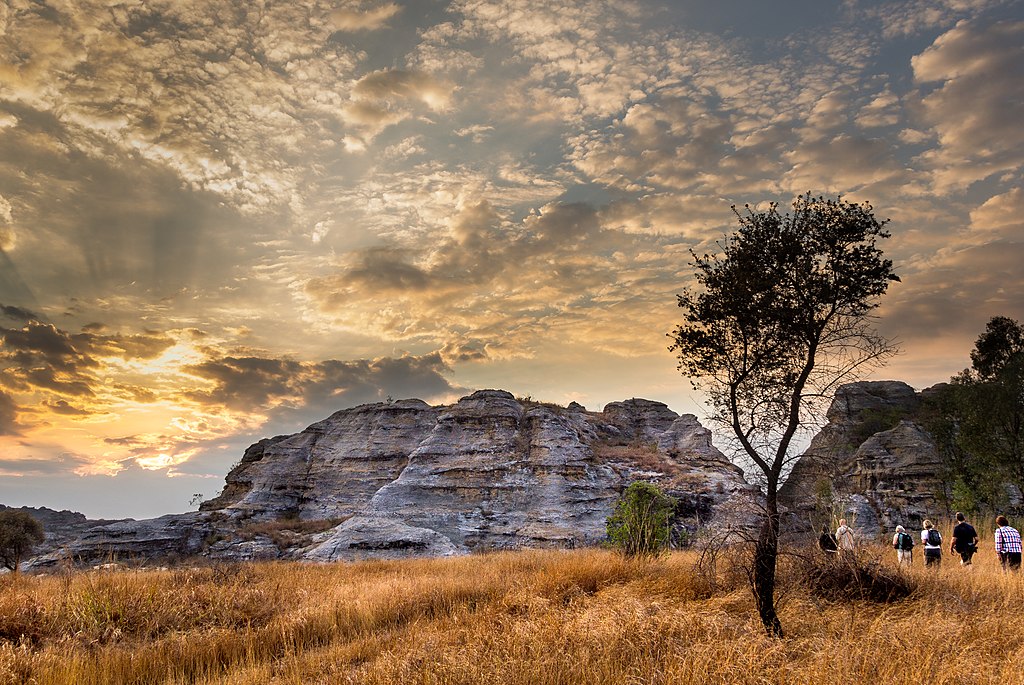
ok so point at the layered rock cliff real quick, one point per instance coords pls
(404, 478)
(870, 463)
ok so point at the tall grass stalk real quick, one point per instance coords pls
(541, 617)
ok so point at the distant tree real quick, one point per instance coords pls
(997, 350)
(19, 533)
(981, 423)
(781, 318)
(641, 523)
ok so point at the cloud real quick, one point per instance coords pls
(944, 301)
(245, 383)
(8, 415)
(6, 225)
(67, 409)
(494, 289)
(1000, 215)
(41, 466)
(977, 105)
(345, 19)
(18, 313)
(385, 97)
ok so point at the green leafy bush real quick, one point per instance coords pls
(641, 524)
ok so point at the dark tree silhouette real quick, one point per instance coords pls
(779, 319)
(985, 414)
(19, 533)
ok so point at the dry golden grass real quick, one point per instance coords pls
(539, 618)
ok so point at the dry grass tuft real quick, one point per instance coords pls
(850, 577)
(535, 617)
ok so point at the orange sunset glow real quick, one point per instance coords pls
(221, 221)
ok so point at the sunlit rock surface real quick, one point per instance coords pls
(404, 478)
(870, 463)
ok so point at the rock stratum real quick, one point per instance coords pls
(405, 478)
(871, 463)
(491, 471)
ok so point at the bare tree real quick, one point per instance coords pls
(779, 319)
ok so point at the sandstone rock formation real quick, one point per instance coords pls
(404, 478)
(869, 463)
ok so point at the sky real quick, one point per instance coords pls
(221, 221)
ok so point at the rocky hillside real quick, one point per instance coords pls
(404, 478)
(494, 472)
(871, 462)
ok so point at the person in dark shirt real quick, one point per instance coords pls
(965, 540)
(827, 541)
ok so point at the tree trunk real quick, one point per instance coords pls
(766, 554)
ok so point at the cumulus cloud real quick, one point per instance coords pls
(369, 19)
(975, 75)
(1001, 215)
(242, 383)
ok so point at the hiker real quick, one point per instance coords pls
(903, 543)
(1007, 544)
(844, 537)
(827, 541)
(932, 540)
(965, 540)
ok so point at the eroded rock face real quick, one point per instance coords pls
(141, 542)
(489, 472)
(898, 474)
(332, 468)
(868, 463)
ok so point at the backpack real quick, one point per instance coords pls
(934, 539)
(904, 542)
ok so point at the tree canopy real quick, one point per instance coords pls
(780, 317)
(978, 419)
(19, 533)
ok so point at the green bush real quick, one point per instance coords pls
(641, 524)
(19, 533)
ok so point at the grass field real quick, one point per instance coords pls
(538, 618)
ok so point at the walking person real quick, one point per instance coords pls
(932, 540)
(827, 541)
(1007, 544)
(965, 540)
(903, 543)
(844, 537)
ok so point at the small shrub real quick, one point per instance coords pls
(641, 524)
(846, 577)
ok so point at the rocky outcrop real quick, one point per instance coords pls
(332, 468)
(496, 473)
(174, 536)
(404, 478)
(870, 463)
(894, 479)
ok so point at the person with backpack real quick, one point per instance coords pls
(965, 540)
(903, 543)
(1008, 545)
(827, 541)
(844, 537)
(932, 540)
